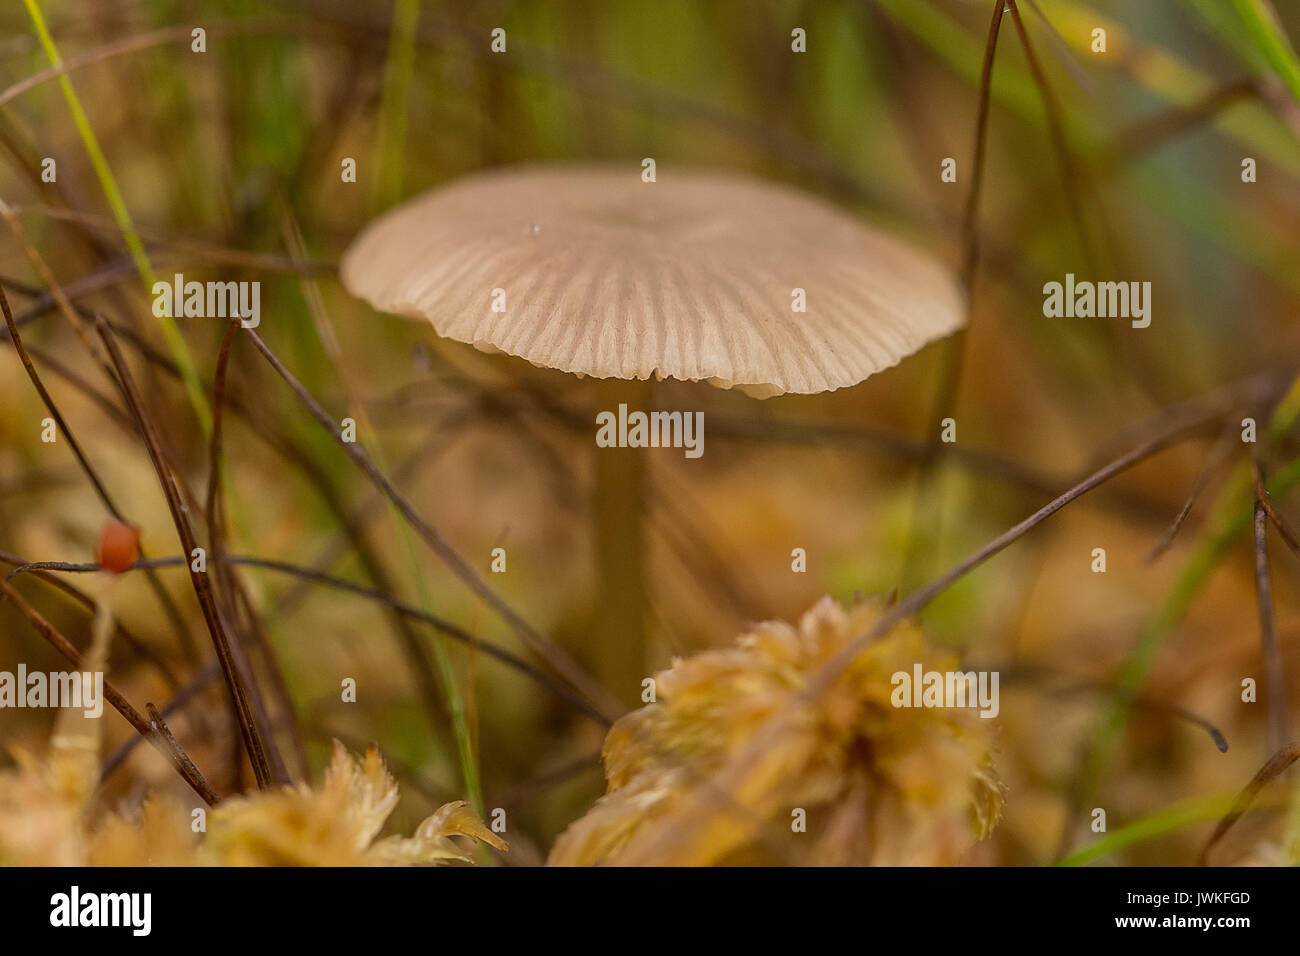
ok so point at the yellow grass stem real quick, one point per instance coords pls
(175, 341)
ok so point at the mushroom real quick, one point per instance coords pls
(700, 277)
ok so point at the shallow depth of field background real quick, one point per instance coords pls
(225, 157)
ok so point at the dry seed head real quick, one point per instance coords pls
(880, 784)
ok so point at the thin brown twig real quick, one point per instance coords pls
(88, 602)
(175, 755)
(25, 152)
(284, 446)
(560, 689)
(42, 302)
(209, 252)
(1064, 55)
(346, 26)
(215, 509)
(1056, 131)
(442, 625)
(46, 275)
(106, 405)
(352, 522)
(1281, 759)
(1185, 425)
(234, 663)
(970, 217)
(556, 657)
(75, 320)
(289, 717)
(178, 624)
(142, 41)
(1266, 502)
(732, 778)
(818, 433)
(160, 727)
(1276, 687)
(952, 359)
(1074, 179)
(48, 401)
(1212, 462)
(83, 285)
(1014, 669)
(1136, 141)
(198, 682)
(229, 583)
(422, 659)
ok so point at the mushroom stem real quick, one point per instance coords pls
(618, 646)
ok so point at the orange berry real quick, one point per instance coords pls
(119, 546)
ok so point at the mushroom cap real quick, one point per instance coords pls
(692, 277)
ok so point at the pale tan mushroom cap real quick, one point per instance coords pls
(690, 277)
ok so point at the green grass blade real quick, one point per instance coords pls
(175, 341)
(390, 142)
(1167, 820)
(1266, 32)
(1224, 26)
(390, 149)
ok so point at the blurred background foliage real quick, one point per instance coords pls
(229, 162)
